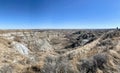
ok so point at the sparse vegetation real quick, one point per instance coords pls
(60, 51)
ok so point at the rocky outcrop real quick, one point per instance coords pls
(43, 45)
(81, 40)
(65, 51)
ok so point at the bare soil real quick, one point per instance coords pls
(60, 51)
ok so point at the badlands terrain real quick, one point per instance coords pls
(60, 51)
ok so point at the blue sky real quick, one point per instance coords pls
(40, 14)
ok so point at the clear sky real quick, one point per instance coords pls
(35, 14)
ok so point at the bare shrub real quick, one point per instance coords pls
(88, 66)
(58, 65)
(91, 65)
(100, 59)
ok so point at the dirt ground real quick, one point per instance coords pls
(60, 51)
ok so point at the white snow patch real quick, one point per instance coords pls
(21, 48)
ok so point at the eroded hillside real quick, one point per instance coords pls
(60, 51)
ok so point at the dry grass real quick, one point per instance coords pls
(70, 61)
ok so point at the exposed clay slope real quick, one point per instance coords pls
(60, 51)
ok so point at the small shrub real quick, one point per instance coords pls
(101, 60)
(88, 66)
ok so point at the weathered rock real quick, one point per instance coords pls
(43, 45)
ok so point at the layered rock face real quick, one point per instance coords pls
(60, 51)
